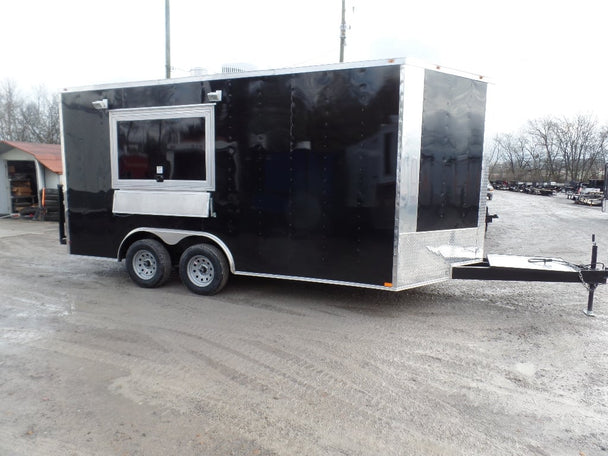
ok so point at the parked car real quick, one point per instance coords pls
(590, 198)
(585, 193)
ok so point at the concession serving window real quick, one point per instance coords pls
(163, 159)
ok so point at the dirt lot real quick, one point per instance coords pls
(90, 364)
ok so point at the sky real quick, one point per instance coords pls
(543, 57)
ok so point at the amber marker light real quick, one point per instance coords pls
(388, 284)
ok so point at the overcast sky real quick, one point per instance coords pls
(545, 57)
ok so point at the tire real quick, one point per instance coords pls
(148, 263)
(204, 269)
(54, 217)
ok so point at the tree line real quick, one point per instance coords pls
(551, 149)
(33, 118)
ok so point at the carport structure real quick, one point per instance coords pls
(25, 169)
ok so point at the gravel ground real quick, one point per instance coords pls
(90, 364)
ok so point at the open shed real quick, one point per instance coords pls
(25, 169)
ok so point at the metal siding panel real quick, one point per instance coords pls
(427, 257)
(299, 191)
(87, 175)
(451, 152)
(92, 228)
(409, 168)
(310, 202)
(149, 202)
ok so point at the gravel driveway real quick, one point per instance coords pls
(90, 364)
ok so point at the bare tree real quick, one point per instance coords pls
(40, 118)
(515, 154)
(32, 120)
(555, 149)
(543, 133)
(581, 145)
(10, 104)
(494, 159)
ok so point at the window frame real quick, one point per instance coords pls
(205, 111)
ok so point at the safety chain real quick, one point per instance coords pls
(580, 276)
(587, 267)
(579, 268)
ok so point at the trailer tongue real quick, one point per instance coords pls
(536, 269)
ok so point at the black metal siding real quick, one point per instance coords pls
(451, 152)
(298, 192)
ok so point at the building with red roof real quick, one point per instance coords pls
(25, 169)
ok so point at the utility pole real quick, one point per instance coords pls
(167, 40)
(342, 31)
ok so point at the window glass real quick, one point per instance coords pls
(173, 149)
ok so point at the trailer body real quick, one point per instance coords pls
(366, 174)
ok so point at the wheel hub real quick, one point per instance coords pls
(200, 270)
(144, 264)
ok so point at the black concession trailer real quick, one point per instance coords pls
(364, 174)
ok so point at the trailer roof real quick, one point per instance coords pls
(279, 71)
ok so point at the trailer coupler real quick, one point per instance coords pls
(536, 269)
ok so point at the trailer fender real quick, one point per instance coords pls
(173, 237)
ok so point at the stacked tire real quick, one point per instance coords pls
(49, 199)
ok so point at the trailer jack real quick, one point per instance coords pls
(536, 269)
(592, 286)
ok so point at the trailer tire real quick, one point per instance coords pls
(148, 263)
(204, 269)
